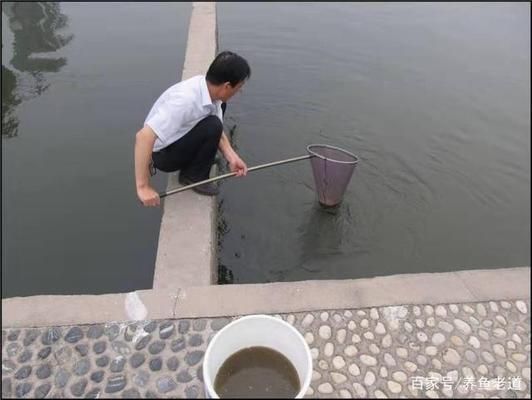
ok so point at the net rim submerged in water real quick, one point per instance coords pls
(332, 168)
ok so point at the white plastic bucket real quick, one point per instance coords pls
(257, 330)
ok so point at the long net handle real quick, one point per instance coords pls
(224, 176)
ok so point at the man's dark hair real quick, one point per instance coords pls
(228, 67)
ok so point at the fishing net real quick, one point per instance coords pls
(332, 168)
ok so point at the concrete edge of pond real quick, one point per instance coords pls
(186, 251)
(269, 298)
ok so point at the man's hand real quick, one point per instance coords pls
(148, 196)
(237, 165)
(235, 162)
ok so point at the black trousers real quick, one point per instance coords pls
(193, 153)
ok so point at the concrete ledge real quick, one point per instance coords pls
(202, 39)
(37, 311)
(429, 288)
(482, 283)
(186, 252)
(229, 300)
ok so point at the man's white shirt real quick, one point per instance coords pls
(179, 109)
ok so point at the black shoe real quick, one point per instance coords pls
(207, 189)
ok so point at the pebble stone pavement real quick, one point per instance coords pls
(449, 350)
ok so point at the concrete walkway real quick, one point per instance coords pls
(187, 248)
(447, 350)
(396, 336)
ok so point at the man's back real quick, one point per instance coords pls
(179, 109)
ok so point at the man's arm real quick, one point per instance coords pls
(235, 162)
(144, 141)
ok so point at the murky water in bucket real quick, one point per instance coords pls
(332, 168)
(257, 372)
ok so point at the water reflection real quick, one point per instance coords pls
(225, 274)
(35, 29)
(322, 235)
(9, 101)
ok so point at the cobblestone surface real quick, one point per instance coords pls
(453, 350)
